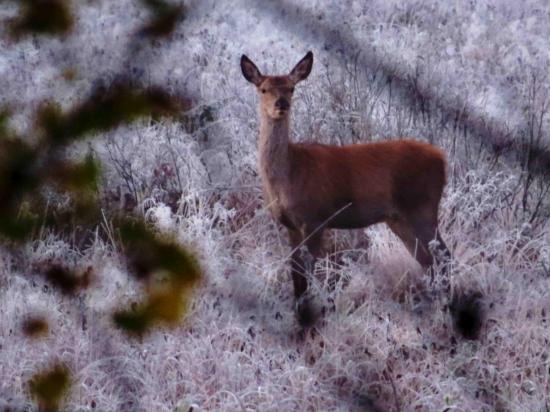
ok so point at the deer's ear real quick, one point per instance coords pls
(250, 71)
(303, 68)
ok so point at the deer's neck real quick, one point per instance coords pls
(274, 152)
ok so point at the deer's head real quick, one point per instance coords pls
(276, 91)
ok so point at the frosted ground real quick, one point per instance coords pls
(381, 344)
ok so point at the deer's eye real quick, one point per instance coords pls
(263, 90)
(292, 90)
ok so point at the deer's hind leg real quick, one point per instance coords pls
(405, 231)
(426, 230)
(417, 229)
(425, 227)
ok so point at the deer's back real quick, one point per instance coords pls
(377, 179)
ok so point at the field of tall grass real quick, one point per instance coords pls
(469, 77)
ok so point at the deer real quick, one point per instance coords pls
(311, 187)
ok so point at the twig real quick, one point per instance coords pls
(389, 378)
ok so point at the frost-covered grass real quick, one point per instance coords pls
(383, 342)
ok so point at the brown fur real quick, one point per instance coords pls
(310, 187)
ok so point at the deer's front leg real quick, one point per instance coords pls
(297, 266)
(306, 248)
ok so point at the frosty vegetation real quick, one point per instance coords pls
(470, 77)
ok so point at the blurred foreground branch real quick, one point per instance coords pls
(35, 172)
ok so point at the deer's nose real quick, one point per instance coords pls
(282, 104)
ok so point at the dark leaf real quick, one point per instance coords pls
(171, 273)
(35, 326)
(50, 386)
(63, 279)
(148, 253)
(103, 111)
(17, 172)
(4, 118)
(164, 21)
(16, 228)
(77, 177)
(45, 17)
(132, 322)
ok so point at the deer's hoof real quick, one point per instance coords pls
(306, 313)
